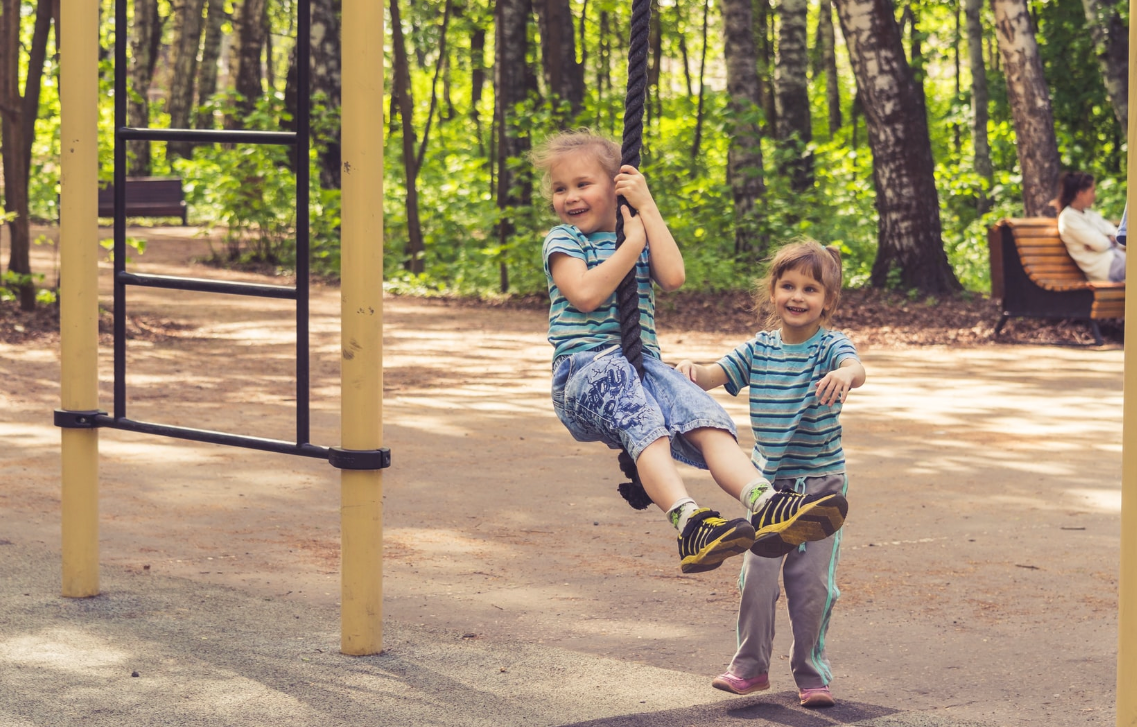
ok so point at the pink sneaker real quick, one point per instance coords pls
(816, 697)
(730, 683)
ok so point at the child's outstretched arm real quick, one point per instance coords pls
(707, 377)
(667, 268)
(587, 288)
(835, 386)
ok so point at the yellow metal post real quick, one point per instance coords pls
(361, 515)
(1127, 588)
(79, 287)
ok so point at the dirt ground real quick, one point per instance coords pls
(979, 571)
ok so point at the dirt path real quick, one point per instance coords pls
(980, 560)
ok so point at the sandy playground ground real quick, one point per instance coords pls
(979, 570)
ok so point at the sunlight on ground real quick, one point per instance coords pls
(1099, 499)
(67, 650)
(20, 436)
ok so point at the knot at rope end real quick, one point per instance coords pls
(632, 491)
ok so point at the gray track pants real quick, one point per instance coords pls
(810, 581)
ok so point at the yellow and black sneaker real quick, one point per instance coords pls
(789, 519)
(708, 540)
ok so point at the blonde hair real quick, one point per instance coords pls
(823, 264)
(577, 141)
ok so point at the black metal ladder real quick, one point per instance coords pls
(300, 140)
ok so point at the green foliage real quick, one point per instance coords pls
(249, 190)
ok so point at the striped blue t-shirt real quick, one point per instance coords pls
(573, 331)
(795, 435)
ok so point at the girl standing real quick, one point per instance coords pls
(799, 374)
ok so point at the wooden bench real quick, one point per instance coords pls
(147, 197)
(1033, 275)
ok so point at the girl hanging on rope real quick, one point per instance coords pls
(597, 393)
(799, 375)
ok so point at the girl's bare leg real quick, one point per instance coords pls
(729, 465)
(659, 475)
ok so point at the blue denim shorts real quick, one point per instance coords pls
(600, 398)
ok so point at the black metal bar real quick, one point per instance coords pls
(211, 437)
(67, 419)
(120, 94)
(303, 141)
(353, 459)
(208, 136)
(202, 285)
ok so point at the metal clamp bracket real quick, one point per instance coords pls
(359, 459)
(77, 419)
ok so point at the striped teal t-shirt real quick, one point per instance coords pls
(572, 331)
(795, 435)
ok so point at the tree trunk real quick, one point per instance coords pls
(1035, 142)
(790, 79)
(510, 82)
(187, 40)
(270, 78)
(979, 101)
(684, 54)
(581, 40)
(415, 247)
(17, 131)
(250, 43)
(915, 42)
(603, 64)
(477, 79)
(564, 76)
(324, 83)
(434, 84)
(702, 89)
(145, 26)
(210, 53)
(764, 40)
(744, 156)
(826, 43)
(653, 102)
(909, 232)
(955, 42)
(1111, 42)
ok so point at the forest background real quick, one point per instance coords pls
(898, 132)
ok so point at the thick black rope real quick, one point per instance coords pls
(627, 294)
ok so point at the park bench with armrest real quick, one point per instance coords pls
(147, 197)
(1033, 275)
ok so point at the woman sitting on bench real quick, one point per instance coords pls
(1090, 239)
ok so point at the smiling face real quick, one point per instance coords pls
(583, 194)
(799, 300)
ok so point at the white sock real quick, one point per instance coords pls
(680, 512)
(756, 493)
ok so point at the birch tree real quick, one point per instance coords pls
(564, 75)
(744, 156)
(827, 61)
(979, 101)
(188, 22)
(324, 83)
(250, 43)
(145, 37)
(210, 53)
(909, 238)
(792, 92)
(1035, 142)
(1111, 44)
